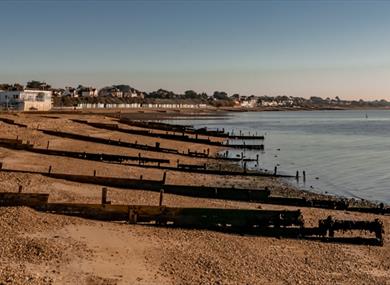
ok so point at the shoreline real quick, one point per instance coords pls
(68, 249)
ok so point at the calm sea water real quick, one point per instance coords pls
(344, 153)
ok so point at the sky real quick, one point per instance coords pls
(293, 48)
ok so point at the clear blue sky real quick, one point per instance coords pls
(298, 48)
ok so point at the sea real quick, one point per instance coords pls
(344, 152)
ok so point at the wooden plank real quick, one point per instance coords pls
(22, 199)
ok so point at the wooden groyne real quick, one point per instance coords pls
(276, 223)
(143, 161)
(203, 169)
(336, 204)
(103, 157)
(145, 147)
(224, 193)
(188, 129)
(12, 122)
(182, 137)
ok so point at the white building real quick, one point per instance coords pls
(26, 100)
(249, 103)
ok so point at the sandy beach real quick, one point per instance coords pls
(42, 248)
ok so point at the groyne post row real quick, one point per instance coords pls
(274, 223)
(12, 122)
(189, 130)
(225, 193)
(157, 148)
(20, 145)
(176, 137)
(123, 159)
(135, 145)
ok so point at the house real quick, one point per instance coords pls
(83, 91)
(110, 91)
(249, 103)
(69, 91)
(26, 100)
(120, 91)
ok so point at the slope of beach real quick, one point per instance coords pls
(41, 248)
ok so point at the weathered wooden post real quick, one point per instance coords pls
(164, 178)
(242, 155)
(20, 189)
(94, 173)
(244, 167)
(304, 175)
(48, 143)
(275, 170)
(104, 195)
(297, 176)
(49, 169)
(132, 216)
(257, 157)
(208, 152)
(161, 197)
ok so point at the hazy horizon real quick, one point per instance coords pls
(293, 48)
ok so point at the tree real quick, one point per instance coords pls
(235, 96)
(34, 84)
(17, 87)
(5, 86)
(204, 96)
(220, 95)
(191, 94)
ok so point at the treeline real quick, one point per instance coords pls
(122, 93)
(36, 85)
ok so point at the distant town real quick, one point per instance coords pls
(40, 96)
